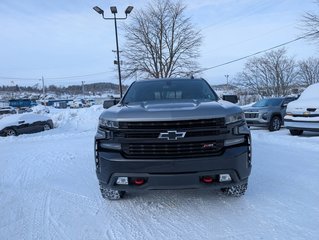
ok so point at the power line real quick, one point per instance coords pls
(202, 70)
(250, 11)
(256, 53)
(17, 78)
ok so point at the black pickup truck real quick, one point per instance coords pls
(172, 134)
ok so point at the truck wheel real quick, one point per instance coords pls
(11, 132)
(295, 132)
(275, 124)
(111, 194)
(46, 127)
(235, 191)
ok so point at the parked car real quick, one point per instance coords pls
(77, 103)
(303, 114)
(7, 110)
(24, 109)
(268, 112)
(16, 124)
(110, 102)
(88, 102)
(231, 98)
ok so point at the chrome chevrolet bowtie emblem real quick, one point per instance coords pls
(172, 135)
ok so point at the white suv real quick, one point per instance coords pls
(303, 114)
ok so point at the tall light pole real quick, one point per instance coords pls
(227, 76)
(114, 12)
(83, 88)
(43, 87)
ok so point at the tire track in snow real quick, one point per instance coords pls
(39, 222)
(138, 216)
(43, 221)
(123, 222)
(57, 226)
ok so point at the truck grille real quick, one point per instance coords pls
(154, 134)
(251, 115)
(215, 122)
(303, 115)
(141, 139)
(172, 150)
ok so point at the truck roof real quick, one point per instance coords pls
(167, 79)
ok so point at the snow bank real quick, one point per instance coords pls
(82, 119)
(40, 109)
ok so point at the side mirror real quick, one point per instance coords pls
(284, 105)
(110, 102)
(231, 98)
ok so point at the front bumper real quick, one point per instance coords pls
(302, 125)
(257, 122)
(181, 173)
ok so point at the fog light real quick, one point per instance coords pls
(122, 181)
(100, 134)
(224, 178)
(112, 146)
(234, 141)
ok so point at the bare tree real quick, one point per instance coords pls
(308, 71)
(161, 42)
(272, 74)
(310, 24)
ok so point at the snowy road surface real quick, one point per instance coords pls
(48, 190)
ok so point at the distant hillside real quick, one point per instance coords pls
(93, 88)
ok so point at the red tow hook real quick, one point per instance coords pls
(139, 181)
(207, 179)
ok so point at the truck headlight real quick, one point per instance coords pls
(264, 115)
(234, 118)
(108, 123)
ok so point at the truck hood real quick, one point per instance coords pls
(169, 111)
(254, 109)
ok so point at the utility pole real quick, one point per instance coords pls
(227, 76)
(43, 88)
(83, 88)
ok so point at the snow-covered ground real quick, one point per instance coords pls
(48, 190)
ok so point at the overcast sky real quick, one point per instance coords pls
(61, 38)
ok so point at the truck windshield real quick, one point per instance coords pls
(268, 102)
(161, 90)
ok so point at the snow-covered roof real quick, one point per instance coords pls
(311, 92)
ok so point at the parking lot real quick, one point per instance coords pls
(49, 190)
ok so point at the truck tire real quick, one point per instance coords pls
(11, 132)
(111, 194)
(274, 124)
(235, 191)
(295, 132)
(46, 127)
